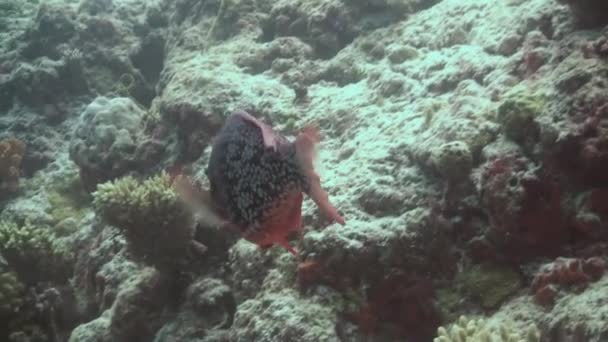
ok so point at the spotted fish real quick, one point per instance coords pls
(257, 179)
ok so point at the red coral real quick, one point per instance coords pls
(402, 304)
(524, 207)
(565, 272)
(541, 221)
(584, 152)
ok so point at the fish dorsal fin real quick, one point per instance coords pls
(268, 135)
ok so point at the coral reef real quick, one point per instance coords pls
(34, 253)
(207, 312)
(524, 206)
(156, 223)
(565, 272)
(404, 304)
(453, 160)
(517, 115)
(135, 314)
(258, 319)
(465, 141)
(11, 293)
(489, 284)
(109, 140)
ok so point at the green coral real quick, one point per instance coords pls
(33, 252)
(489, 284)
(156, 223)
(518, 112)
(471, 330)
(11, 293)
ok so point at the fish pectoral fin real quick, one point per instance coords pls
(197, 247)
(321, 198)
(305, 152)
(198, 200)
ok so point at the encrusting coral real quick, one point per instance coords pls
(106, 139)
(11, 154)
(565, 272)
(471, 330)
(157, 225)
(453, 160)
(517, 114)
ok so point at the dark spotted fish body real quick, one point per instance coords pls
(247, 177)
(257, 179)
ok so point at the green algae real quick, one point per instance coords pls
(518, 112)
(489, 284)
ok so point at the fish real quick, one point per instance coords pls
(257, 179)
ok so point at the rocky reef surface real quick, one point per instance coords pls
(465, 143)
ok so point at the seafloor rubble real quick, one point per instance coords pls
(465, 142)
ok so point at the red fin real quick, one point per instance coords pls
(285, 244)
(268, 134)
(305, 151)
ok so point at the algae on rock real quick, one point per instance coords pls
(489, 284)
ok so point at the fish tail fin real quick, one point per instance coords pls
(198, 200)
(305, 143)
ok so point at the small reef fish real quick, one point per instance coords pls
(257, 178)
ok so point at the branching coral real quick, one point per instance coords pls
(33, 253)
(11, 293)
(11, 154)
(465, 330)
(157, 225)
